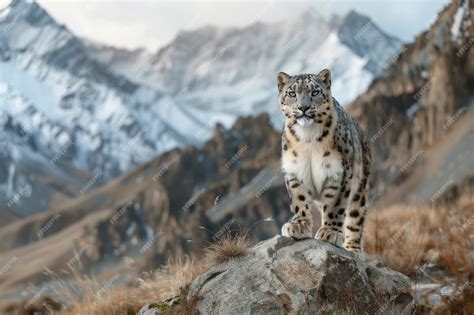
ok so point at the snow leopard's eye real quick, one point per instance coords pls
(315, 93)
(292, 94)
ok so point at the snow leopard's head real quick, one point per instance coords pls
(305, 98)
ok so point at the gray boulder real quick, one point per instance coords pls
(283, 276)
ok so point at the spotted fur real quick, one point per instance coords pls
(326, 159)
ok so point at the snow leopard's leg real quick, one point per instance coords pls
(336, 192)
(301, 223)
(331, 229)
(356, 211)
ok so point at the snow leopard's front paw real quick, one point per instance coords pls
(298, 228)
(327, 234)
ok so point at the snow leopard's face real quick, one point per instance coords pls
(305, 97)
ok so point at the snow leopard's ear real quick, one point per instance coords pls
(325, 77)
(282, 79)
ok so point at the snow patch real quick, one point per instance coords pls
(411, 111)
(4, 13)
(457, 21)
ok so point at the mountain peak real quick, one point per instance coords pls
(30, 11)
(355, 24)
(366, 39)
(22, 5)
(311, 14)
(356, 16)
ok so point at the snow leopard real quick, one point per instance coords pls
(326, 161)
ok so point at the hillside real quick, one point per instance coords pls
(416, 102)
(247, 191)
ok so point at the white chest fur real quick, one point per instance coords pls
(324, 167)
(311, 166)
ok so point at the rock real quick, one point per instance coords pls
(283, 276)
(150, 309)
(175, 305)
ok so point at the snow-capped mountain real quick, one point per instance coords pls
(234, 61)
(67, 100)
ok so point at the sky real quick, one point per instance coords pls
(152, 24)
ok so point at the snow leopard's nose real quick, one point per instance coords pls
(304, 103)
(303, 107)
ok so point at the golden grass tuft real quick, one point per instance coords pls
(227, 248)
(89, 297)
(117, 302)
(167, 282)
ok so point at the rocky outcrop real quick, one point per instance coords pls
(283, 276)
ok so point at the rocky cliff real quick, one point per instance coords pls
(424, 90)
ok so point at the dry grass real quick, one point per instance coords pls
(160, 285)
(87, 296)
(425, 240)
(399, 236)
(167, 282)
(406, 238)
(227, 248)
(117, 302)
